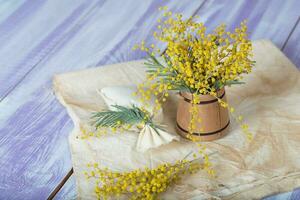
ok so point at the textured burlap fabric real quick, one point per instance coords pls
(269, 102)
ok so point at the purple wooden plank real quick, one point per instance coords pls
(30, 160)
(9, 7)
(292, 46)
(30, 33)
(30, 148)
(17, 18)
(34, 127)
(295, 194)
(281, 196)
(143, 30)
(266, 19)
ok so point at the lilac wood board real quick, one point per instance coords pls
(9, 7)
(292, 47)
(34, 127)
(293, 195)
(267, 19)
(31, 32)
(272, 20)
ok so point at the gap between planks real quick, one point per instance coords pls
(60, 185)
(290, 34)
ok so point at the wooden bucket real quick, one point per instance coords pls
(215, 118)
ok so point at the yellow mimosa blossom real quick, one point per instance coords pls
(144, 184)
(196, 61)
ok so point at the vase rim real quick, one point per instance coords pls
(203, 97)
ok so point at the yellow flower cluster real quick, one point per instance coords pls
(239, 119)
(200, 62)
(102, 131)
(194, 61)
(197, 62)
(139, 184)
(85, 134)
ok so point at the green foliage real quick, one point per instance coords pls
(219, 84)
(156, 67)
(166, 72)
(121, 116)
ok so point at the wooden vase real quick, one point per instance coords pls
(214, 118)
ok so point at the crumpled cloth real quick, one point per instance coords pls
(269, 102)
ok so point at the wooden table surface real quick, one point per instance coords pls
(40, 38)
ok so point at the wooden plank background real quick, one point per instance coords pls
(40, 38)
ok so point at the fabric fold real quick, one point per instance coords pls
(150, 138)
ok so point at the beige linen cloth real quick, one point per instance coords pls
(269, 102)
